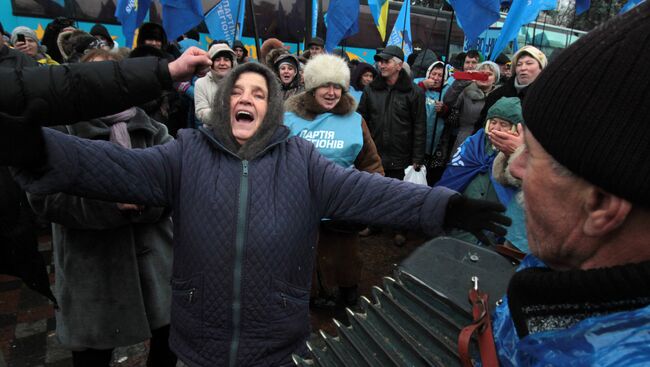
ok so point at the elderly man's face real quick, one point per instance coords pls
(553, 203)
(389, 68)
(470, 63)
(248, 104)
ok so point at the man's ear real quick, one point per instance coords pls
(605, 212)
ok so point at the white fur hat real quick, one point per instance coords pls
(324, 69)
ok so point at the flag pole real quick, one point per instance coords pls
(251, 10)
(448, 37)
(426, 47)
(405, 3)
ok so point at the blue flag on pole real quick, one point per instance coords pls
(401, 35)
(475, 16)
(582, 6)
(223, 18)
(342, 22)
(521, 12)
(131, 14)
(179, 16)
(629, 5)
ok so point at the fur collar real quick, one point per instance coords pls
(403, 83)
(500, 170)
(304, 105)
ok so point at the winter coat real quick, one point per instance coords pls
(71, 93)
(597, 317)
(396, 117)
(14, 59)
(204, 91)
(469, 104)
(244, 231)
(113, 268)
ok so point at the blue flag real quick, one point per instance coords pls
(521, 12)
(401, 35)
(222, 20)
(342, 22)
(629, 5)
(582, 6)
(131, 14)
(179, 16)
(475, 16)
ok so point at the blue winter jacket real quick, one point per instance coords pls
(244, 231)
(617, 339)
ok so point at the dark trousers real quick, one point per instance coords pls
(159, 353)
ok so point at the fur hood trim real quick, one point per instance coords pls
(219, 120)
(304, 105)
(500, 168)
(324, 69)
(403, 82)
(273, 55)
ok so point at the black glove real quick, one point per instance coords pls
(474, 216)
(21, 138)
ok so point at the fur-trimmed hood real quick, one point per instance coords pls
(219, 119)
(403, 83)
(304, 105)
(500, 170)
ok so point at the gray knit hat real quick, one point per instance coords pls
(25, 31)
(590, 108)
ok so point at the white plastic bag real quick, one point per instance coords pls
(416, 177)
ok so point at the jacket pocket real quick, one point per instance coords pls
(187, 306)
(289, 300)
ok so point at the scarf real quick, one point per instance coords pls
(518, 86)
(119, 132)
(470, 160)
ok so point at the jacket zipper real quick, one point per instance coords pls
(242, 214)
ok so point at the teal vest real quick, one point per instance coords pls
(338, 138)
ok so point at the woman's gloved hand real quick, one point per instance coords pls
(21, 140)
(475, 216)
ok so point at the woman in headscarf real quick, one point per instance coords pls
(113, 259)
(470, 170)
(362, 75)
(325, 115)
(247, 201)
(287, 67)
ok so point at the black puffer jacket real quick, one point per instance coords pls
(396, 117)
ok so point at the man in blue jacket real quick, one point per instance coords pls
(585, 178)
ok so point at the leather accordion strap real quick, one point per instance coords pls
(482, 328)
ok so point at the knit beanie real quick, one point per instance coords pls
(589, 108)
(506, 108)
(323, 69)
(225, 50)
(531, 51)
(25, 31)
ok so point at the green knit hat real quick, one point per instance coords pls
(506, 108)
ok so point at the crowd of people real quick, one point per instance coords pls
(210, 199)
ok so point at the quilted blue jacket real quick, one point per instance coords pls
(244, 231)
